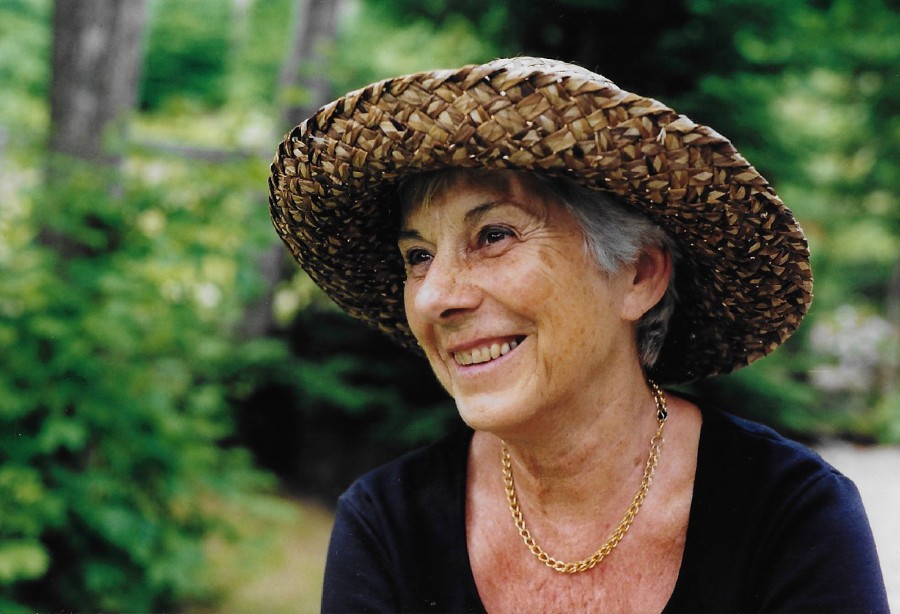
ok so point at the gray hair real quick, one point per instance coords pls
(614, 234)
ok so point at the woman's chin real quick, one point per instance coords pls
(492, 415)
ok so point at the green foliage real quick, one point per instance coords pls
(117, 306)
(209, 53)
(374, 46)
(259, 41)
(659, 48)
(347, 388)
(24, 64)
(819, 85)
(190, 66)
(375, 379)
(24, 44)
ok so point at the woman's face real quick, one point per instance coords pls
(515, 317)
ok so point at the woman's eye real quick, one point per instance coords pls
(493, 234)
(417, 256)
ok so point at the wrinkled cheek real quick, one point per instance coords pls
(420, 332)
(411, 319)
(440, 371)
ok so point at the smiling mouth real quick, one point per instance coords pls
(485, 354)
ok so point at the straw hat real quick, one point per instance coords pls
(744, 282)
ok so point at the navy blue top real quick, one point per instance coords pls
(772, 528)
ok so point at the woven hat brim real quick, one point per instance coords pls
(744, 282)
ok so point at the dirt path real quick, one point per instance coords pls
(876, 471)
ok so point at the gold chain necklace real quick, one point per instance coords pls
(617, 535)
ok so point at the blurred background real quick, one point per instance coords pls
(180, 407)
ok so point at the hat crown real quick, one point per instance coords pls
(525, 65)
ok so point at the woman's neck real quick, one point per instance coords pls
(584, 463)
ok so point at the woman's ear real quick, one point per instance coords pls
(648, 279)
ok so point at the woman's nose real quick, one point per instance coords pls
(448, 291)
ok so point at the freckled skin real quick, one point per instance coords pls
(538, 283)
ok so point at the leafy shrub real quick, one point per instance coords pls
(347, 387)
(116, 309)
(188, 66)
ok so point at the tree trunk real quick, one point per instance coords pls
(302, 88)
(96, 62)
(95, 65)
(303, 82)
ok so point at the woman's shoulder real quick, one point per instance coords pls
(398, 542)
(434, 470)
(777, 513)
(729, 443)
(744, 465)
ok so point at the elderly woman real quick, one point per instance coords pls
(555, 246)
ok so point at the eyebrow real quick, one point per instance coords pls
(408, 234)
(471, 216)
(476, 212)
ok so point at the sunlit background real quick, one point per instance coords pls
(180, 407)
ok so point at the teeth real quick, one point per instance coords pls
(480, 355)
